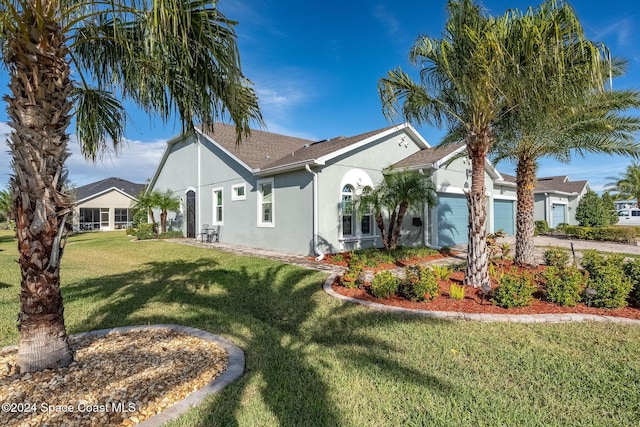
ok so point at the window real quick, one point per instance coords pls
(635, 213)
(265, 203)
(239, 192)
(121, 218)
(89, 219)
(623, 213)
(346, 207)
(366, 222)
(217, 206)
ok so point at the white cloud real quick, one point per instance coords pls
(135, 161)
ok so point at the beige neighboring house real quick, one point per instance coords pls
(105, 205)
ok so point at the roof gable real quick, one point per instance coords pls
(561, 184)
(99, 187)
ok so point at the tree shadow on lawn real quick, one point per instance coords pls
(270, 310)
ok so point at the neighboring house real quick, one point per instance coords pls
(556, 198)
(105, 205)
(294, 195)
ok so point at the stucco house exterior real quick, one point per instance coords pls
(291, 194)
(105, 205)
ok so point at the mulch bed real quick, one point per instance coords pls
(475, 303)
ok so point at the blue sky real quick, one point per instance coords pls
(316, 66)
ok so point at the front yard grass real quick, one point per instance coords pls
(313, 360)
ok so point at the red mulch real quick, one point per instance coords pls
(474, 303)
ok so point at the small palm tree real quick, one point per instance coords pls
(165, 201)
(394, 196)
(146, 201)
(168, 58)
(627, 185)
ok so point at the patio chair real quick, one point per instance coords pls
(204, 234)
(214, 233)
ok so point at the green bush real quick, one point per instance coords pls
(541, 227)
(607, 277)
(456, 291)
(170, 235)
(564, 286)
(419, 284)
(514, 291)
(352, 278)
(632, 270)
(145, 232)
(384, 284)
(442, 272)
(592, 212)
(614, 234)
(556, 257)
(130, 231)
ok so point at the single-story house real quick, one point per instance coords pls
(105, 205)
(291, 194)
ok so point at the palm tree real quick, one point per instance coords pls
(461, 83)
(146, 201)
(5, 203)
(627, 185)
(165, 57)
(166, 201)
(572, 114)
(395, 195)
(472, 79)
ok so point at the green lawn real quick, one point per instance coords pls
(313, 360)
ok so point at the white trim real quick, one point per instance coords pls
(234, 194)
(214, 220)
(503, 197)
(261, 223)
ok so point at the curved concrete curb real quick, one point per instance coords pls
(234, 370)
(482, 317)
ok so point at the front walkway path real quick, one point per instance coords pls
(541, 242)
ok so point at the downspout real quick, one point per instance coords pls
(198, 194)
(425, 219)
(318, 252)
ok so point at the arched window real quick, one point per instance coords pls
(347, 211)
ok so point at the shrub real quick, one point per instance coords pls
(419, 283)
(337, 258)
(352, 278)
(592, 212)
(130, 231)
(514, 291)
(384, 284)
(541, 227)
(564, 285)
(170, 235)
(556, 257)
(632, 270)
(446, 250)
(145, 232)
(442, 272)
(607, 277)
(456, 291)
(614, 234)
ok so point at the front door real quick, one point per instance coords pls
(191, 214)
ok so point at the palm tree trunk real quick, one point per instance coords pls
(38, 108)
(392, 224)
(477, 271)
(383, 233)
(525, 223)
(402, 210)
(163, 221)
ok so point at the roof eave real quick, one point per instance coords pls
(288, 167)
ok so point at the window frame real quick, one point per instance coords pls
(234, 193)
(351, 195)
(260, 203)
(214, 202)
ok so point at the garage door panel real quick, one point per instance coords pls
(453, 220)
(504, 216)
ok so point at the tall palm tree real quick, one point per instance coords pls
(167, 57)
(626, 186)
(472, 78)
(461, 83)
(396, 194)
(572, 113)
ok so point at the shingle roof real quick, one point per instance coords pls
(553, 183)
(428, 156)
(130, 188)
(265, 150)
(260, 149)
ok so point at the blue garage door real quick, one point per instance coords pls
(503, 216)
(558, 214)
(453, 220)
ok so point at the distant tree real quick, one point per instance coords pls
(5, 203)
(627, 185)
(394, 196)
(592, 211)
(610, 207)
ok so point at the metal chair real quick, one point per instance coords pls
(214, 233)
(204, 234)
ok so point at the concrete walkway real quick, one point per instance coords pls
(542, 243)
